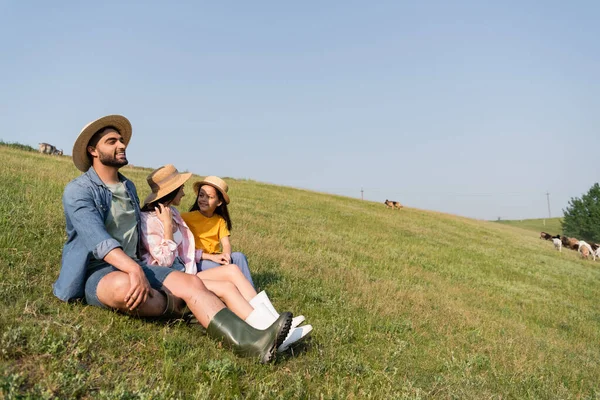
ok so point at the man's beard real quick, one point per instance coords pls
(111, 161)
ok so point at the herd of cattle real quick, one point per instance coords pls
(584, 248)
(46, 148)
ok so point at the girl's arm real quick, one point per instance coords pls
(218, 258)
(226, 245)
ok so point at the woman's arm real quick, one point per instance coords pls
(158, 249)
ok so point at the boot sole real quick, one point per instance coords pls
(281, 335)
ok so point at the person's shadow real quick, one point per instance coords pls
(263, 280)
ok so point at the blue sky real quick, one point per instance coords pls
(463, 107)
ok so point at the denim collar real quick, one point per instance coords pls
(93, 176)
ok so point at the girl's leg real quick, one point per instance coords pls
(231, 296)
(232, 274)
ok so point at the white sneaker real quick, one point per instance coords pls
(295, 336)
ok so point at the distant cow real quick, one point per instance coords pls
(585, 250)
(46, 148)
(570, 243)
(546, 236)
(557, 244)
(392, 204)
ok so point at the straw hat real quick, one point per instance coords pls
(80, 157)
(215, 182)
(163, 181)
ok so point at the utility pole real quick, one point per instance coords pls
(361, 194)
(548, 198)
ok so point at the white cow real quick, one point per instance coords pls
(585, 250)
(46, 148)
(557, 244)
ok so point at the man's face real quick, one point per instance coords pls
(110, 150)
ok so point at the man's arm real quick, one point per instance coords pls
(82, 213)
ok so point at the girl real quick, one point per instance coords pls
(167, 241)
(210, 223)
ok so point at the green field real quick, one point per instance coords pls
(549, 225)
(404, 304)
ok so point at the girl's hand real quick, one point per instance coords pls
(219, 258)
(227, 257)
(164, 215)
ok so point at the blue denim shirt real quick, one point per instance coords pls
(86, 201)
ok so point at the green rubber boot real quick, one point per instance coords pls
(247, 341)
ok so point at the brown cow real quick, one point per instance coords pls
(392, 204)
(573, 244)
(546, 236)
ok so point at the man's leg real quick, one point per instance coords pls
(113, 288)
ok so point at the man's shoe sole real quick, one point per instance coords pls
(281, 335)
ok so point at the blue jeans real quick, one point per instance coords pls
(237, 258)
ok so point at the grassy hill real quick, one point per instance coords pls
(404, 304)
(549, 225)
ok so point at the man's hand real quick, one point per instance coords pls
(139, 289)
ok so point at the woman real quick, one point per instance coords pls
(167, 241)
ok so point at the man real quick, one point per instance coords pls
(100, 261)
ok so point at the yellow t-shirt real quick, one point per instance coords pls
(207, 231)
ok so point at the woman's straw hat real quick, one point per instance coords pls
(215, 182)
(80, 156)
(163, 181)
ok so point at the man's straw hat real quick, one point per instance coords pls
(164, 180)
(80, 156)
(215, 182)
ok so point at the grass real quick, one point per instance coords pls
(405, 304)
(549, 225)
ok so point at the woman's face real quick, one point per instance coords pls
(208, 200)
(177, 200)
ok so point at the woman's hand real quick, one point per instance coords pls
(164, 215)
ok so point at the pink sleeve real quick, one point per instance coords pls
(157, 250)
(198, 256)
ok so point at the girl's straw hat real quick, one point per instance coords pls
(163, 181)
(215, 182)
(80, 156)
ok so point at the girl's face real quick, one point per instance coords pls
(208, 200)
(177, 200)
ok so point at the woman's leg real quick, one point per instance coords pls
(230, 273)
(237, 258)
(241, 261)
(231, 296)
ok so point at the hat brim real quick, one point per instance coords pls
(181, 179)
(200, 183)
(80, 158)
